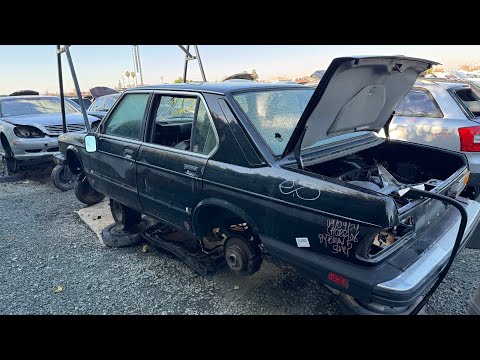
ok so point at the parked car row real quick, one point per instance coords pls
(239, 170)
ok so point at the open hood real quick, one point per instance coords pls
(356, 93)
(102, 91)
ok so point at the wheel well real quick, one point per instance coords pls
(212, 217)
(5, 144)
(73, 162)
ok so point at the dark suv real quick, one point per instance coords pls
(245, 169)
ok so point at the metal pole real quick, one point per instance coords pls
(139, 65)
(197, 53)
(186, 51)
(77, 88)
(60, 85)
(134, 59)
(186, 64)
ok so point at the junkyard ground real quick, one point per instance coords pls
(52, 263)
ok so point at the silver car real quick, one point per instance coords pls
(30, 126)
(446, 115)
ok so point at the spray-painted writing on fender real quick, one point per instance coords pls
(288, 187)
(340, 236)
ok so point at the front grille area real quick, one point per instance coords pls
(58, 129)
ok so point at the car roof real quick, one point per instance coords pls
(112, 95)
(444, 84)
(29, 97)
(219, 87)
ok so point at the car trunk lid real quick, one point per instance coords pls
(355, 94)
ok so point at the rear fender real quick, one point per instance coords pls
(218, 203)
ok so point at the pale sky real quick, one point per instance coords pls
(34, 66)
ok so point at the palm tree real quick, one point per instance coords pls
(132, 74)
(127, 74)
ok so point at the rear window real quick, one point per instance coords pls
(274, 113)
(470, 99)
(418, 103)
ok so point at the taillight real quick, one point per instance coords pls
(470, 138)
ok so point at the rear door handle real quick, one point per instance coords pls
(190, 169)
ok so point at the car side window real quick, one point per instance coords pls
(203, 134)
(418, 103)
(126, 119)
(183, 123)
(109, 101)
(98, 104)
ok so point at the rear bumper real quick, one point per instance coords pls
(415, 279)
(403, 286)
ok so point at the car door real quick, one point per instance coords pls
(171, 162)
(418, 118)
(113, 168)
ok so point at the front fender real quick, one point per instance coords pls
(79, 154)
(6, 129)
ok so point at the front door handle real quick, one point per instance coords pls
(128, 153)
(190, 169)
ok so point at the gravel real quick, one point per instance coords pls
(52, 263)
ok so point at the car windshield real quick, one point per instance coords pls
(33, 106)
(274, 113)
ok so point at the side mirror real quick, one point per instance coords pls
(90, 143)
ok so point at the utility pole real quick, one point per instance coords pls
(137, 65)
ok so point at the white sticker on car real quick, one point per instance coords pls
(302, 242)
